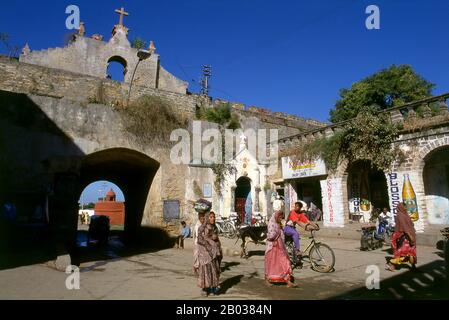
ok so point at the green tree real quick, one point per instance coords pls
(367, 137)
(221, 114)
(385, 89)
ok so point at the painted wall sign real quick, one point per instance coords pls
(333, 213)
(296, 169)
(292, 197)
(402, 192)
(393, 186)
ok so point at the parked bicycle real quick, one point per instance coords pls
(232, 225)
(320, 256)
(223, 226)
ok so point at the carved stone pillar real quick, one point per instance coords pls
(233, 187)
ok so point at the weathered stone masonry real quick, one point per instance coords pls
(425, 144)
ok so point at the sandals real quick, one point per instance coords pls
(389, 267)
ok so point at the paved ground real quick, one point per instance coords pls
(167, 274)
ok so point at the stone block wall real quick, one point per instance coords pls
(82, 108)
(27, 78)
(91, 57)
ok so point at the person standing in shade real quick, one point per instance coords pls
(209, 257)
(185, 233)
(199, 223)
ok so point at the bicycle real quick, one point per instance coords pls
(232, 226)
(320, 256)
(222, 226)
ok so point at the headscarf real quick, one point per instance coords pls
(208, 239)
(274, 229)
(403, 221)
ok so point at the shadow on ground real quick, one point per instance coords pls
(259, 253)
(148, 239)
(426, 282)
(229, 283)
(25, 245)
(34, 245)
(226, 266)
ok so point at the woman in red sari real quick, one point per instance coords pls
(403, 240)
(277, 262)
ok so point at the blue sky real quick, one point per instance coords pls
(98, 189)
(290, 56)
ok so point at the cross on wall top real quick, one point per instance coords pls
(122, 13)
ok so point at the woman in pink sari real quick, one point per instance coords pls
(277, 262)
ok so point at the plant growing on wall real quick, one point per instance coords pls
(151, 120)
(223, 116)
(197, 189)
(138, 43)
(369, 136)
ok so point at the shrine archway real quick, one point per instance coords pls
(243, 201)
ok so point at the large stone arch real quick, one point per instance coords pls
(426, 152)
(342, 174)
(131, 170)
(427, 149)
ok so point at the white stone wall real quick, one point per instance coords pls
(256, 173)
(90, 57)
(395, 184)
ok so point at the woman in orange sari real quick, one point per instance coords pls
(277, 262)
(403, 240)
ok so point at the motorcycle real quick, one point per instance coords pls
(369, 240)
(374, 238)
(385, 231)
